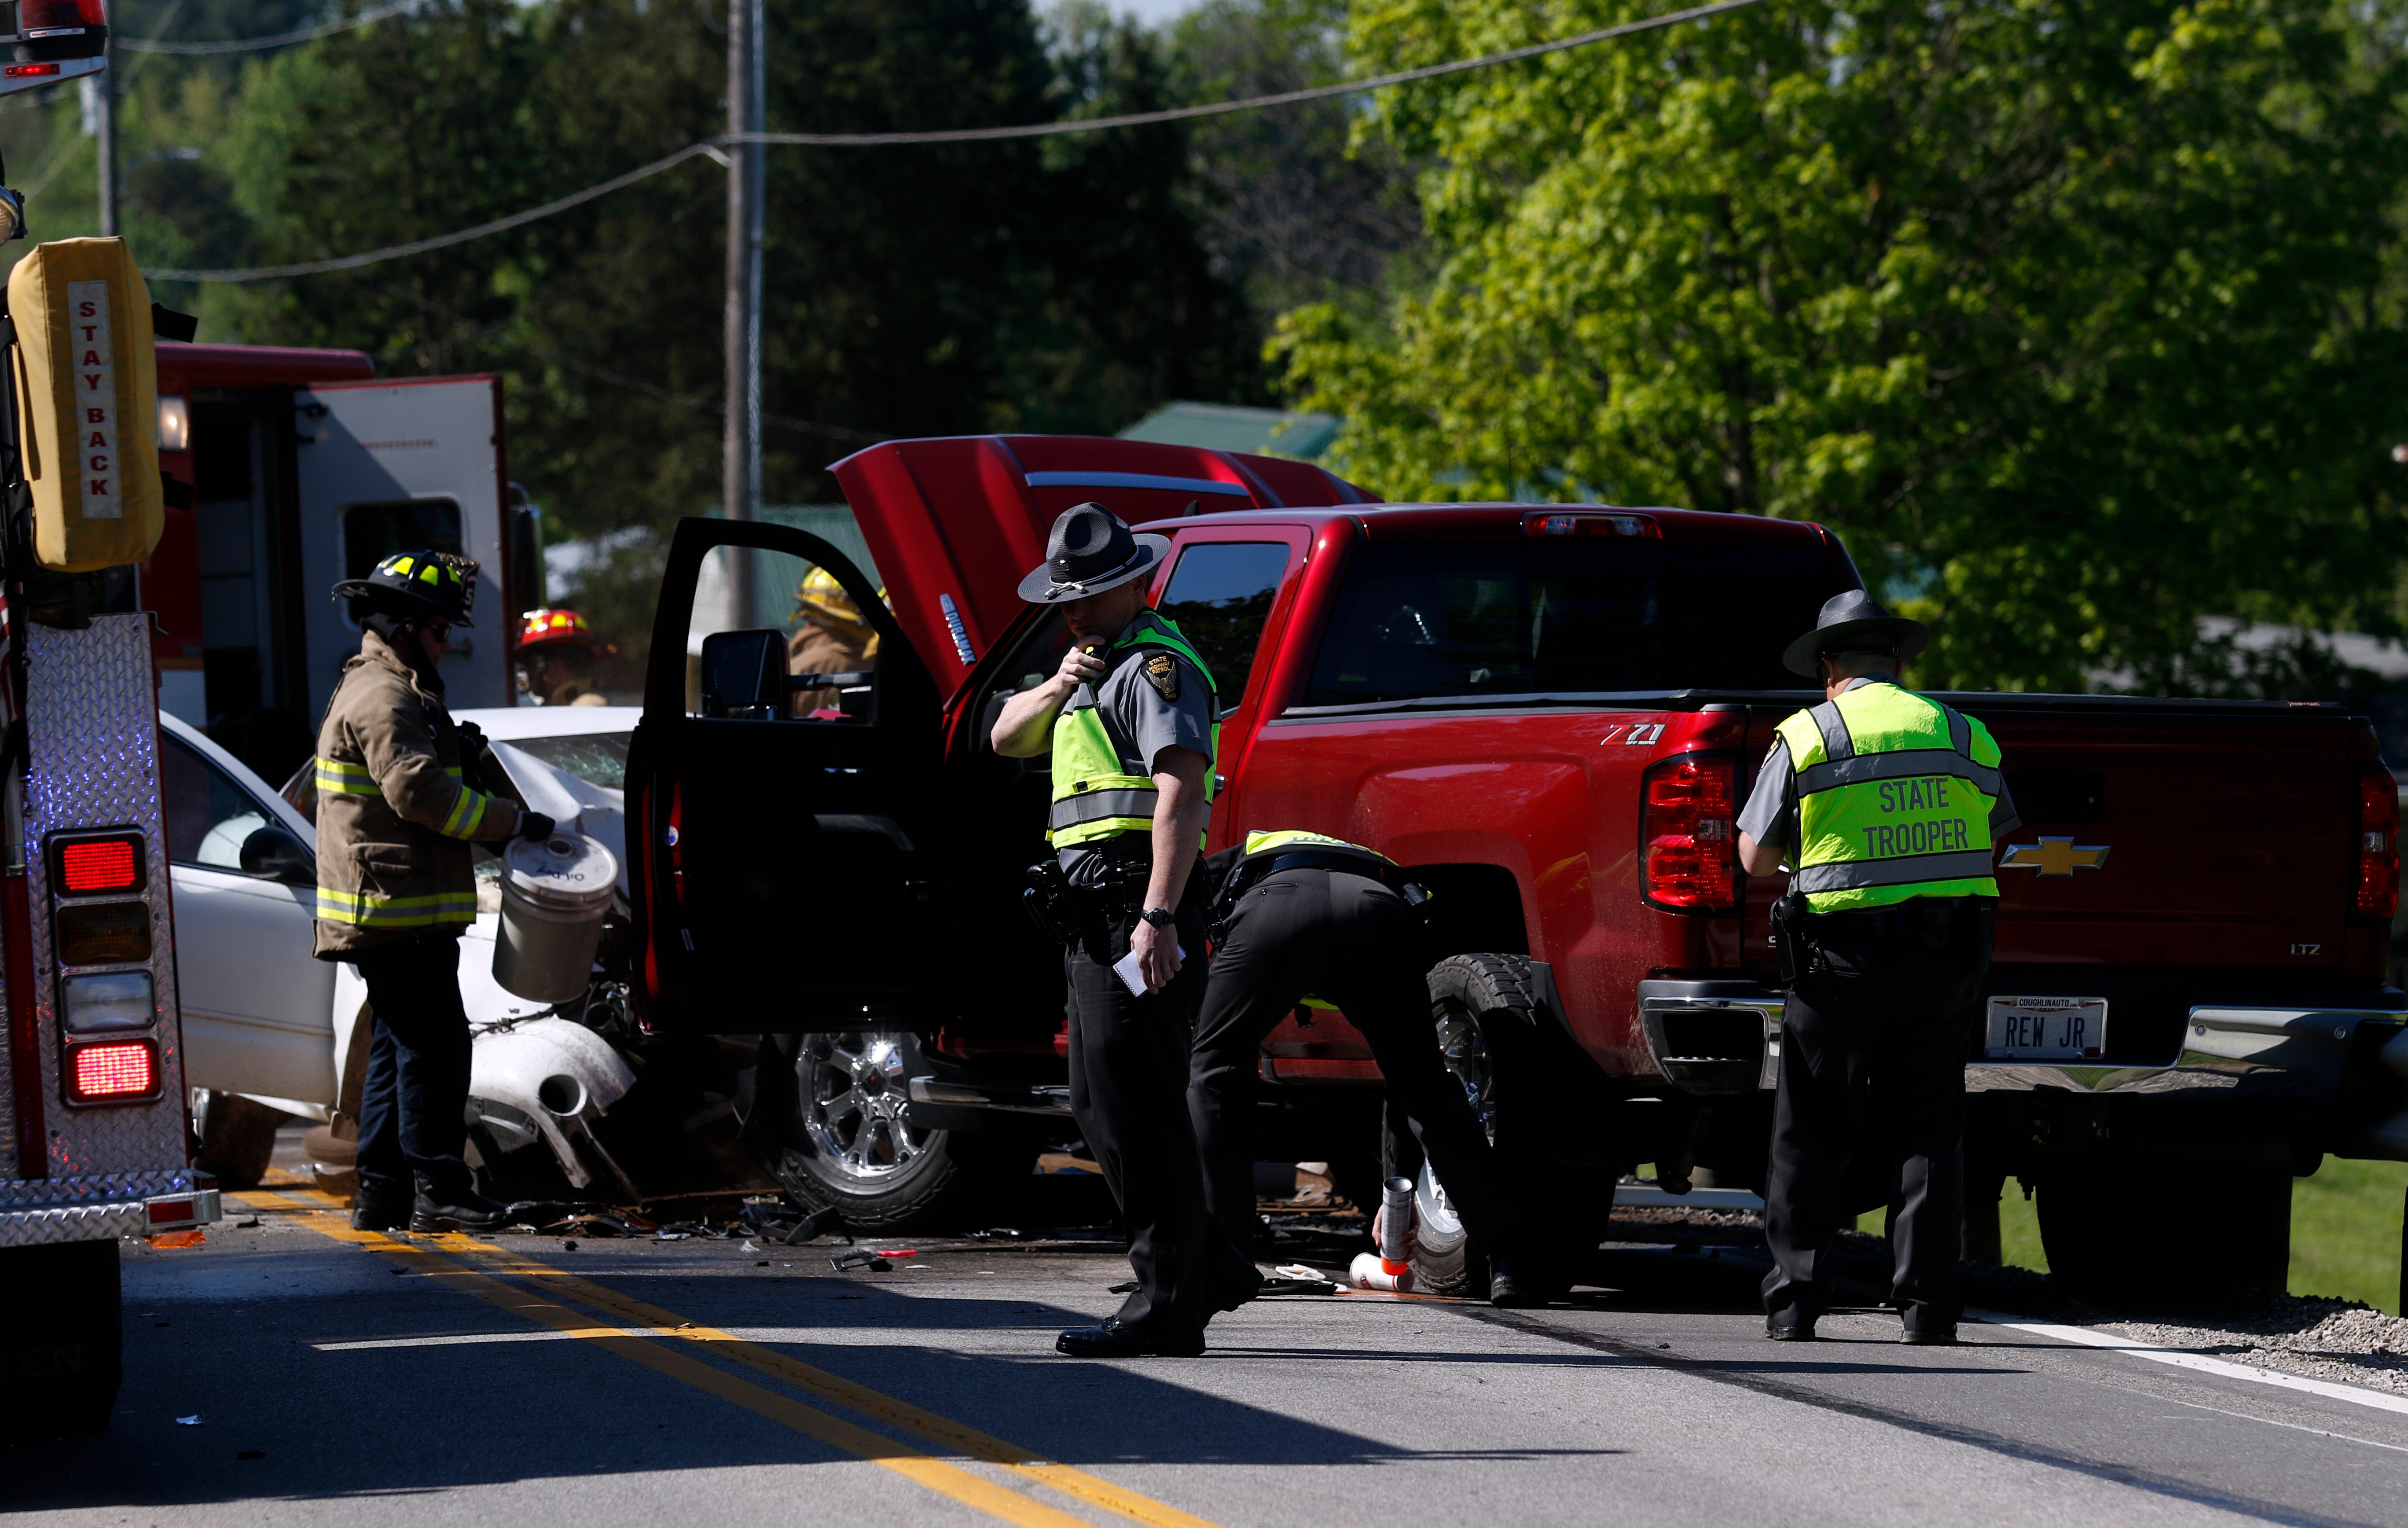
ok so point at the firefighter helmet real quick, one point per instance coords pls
(820, 596)
(420, 584)
(554, 628)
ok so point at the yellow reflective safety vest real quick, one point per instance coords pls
(1102, 789)
(1894, 798)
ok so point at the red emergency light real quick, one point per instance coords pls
(1688, 834)
(121, 1072)
(26, 71)
(96, 864)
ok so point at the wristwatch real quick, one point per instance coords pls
(1161, 917)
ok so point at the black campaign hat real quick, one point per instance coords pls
(1090, 550)
(1855, 620)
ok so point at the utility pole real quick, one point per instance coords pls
(105, 149)
(747, 189)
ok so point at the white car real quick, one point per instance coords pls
(264, 1020)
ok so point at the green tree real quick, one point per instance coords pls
(2078, 321)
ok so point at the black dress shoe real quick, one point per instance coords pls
(1111, 1338)
(1514, 1284)
(1928, 1329)
(1791, 1325)
(462, 1209)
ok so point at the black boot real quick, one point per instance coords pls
(379, 1206)
(457, 1209)
(1517, 1281)
(1114, 1338)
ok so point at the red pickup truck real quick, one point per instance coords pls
(1552, 714)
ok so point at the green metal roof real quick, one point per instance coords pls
(1228, 426)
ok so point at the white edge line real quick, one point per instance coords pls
(2084, 1336)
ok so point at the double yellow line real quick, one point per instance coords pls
(323, 1214)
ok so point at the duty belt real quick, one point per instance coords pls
(1251, 874)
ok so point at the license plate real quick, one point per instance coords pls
(2047, 1028)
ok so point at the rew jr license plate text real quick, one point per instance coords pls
(2047, 1028)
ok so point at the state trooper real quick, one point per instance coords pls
(1130, 721)
(1886, 804)
(1297, 913)
(397, 891)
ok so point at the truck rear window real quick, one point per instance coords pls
(1431, 619)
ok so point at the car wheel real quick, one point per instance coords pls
(850, 1141)
(1473, 997)
(235, 1139)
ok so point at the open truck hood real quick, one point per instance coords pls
(956, 523)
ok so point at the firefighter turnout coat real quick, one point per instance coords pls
(395, 817)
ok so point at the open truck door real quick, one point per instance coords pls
(782, 863)
(383, 466)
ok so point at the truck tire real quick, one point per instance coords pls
(236, 1139)
(2123, 1234)
(64, 1366)
(836, 1132)
(1487, 1012)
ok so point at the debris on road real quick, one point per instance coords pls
(870, 1261)
(192, 1421)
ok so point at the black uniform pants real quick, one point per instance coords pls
(414, 1105)
(1873, 1055)
(1350, 941)
(1128, 1071)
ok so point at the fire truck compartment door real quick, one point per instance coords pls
(257, 1005)
(782, 866)
(386, 467)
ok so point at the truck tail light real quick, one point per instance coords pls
(2378, 844)
(121, 1071)
(98, 1002)
(1688, 834)
(102, 933)
(96, 864)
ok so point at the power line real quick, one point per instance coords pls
(712, 147)
(246, 45)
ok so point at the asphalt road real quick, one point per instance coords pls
(345, 1381)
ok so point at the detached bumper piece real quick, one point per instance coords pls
(105, 1207)
(999, 1094)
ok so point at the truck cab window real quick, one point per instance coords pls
(1421, 619)
(822, 634)
(1220, 592)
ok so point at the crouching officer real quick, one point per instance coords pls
(395, 817)
(1887, 805)
(1298, 913)
(1129, 720)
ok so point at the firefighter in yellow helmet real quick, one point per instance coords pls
(556, 653)
(398, 806)
(830, 638)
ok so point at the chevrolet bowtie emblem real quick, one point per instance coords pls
(2055, 856)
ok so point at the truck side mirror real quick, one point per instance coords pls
(744, 674)
(274, 855)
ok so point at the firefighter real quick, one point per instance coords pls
(556, 651)
(830, 639)
(1887, 805)
(1129, 718)
(395, 817)
(1298, 913)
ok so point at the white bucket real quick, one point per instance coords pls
(555, 892)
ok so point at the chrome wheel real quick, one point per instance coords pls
(857, 1105)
